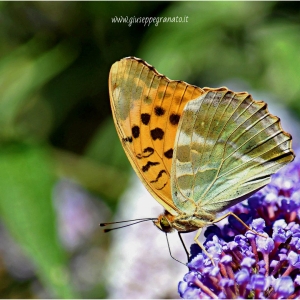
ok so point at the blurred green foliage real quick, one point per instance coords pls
(55, 118)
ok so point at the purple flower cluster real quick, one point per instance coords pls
(248, 265)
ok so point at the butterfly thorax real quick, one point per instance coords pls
(183, 222)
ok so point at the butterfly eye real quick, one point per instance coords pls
(165, 224)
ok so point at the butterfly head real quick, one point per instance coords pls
(164, 222)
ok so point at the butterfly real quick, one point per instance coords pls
(198, 151)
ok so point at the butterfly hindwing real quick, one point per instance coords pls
(228, 146)
(147, 107)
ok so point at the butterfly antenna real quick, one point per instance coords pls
(171, 253)
(112, 223)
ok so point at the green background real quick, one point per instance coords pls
(56, 124)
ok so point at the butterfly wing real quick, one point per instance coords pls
(146, 108)
(228, 146)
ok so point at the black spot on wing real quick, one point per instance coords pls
(147, 166)
(169, 153)
(135, 131)
(158, 175)
(163, 186)
(159, 111)
(127, 139)
(174, 119)
(157, 133)
(148, 152)
(145, 118)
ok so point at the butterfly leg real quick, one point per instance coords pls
(171, 253)
(183, 244)
(202, 247)
(234, 215)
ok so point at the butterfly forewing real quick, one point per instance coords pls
(147, 108)
(228, 146)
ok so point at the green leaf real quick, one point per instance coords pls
(26, 181)
(23, 73)
(279, 44)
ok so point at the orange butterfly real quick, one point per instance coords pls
(197, 151)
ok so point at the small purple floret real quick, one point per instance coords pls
(294, 259)
(226, 259)
(258, 282)
(247, 262)
(265, 245)
(284, 286)
(242, 276)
